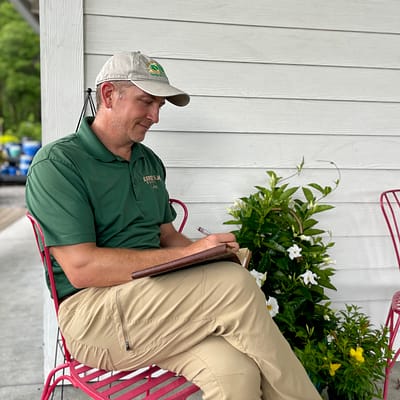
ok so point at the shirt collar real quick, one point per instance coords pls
(96, 148)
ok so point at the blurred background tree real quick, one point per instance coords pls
(19, 76)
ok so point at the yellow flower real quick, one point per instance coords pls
(357, 354)
(333, 368)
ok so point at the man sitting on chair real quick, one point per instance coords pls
(101, 200)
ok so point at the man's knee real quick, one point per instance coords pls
(232, 277)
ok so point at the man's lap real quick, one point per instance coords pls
(148, 319)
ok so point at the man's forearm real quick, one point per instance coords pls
(89, 266)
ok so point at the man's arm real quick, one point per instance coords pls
(87, 265)
(170, 237)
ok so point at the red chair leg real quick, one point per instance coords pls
(393, 323)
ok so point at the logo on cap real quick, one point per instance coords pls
(155, 69)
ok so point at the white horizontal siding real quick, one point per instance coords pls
(353, 15)
(262, 151)
(223, 185)
(284, 116)
(238, 43)
(346, 220)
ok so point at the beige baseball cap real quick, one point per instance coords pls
(144, 72)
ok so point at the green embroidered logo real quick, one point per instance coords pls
(155, 69)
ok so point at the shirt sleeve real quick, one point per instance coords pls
(57, 197)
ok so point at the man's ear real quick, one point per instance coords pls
(107, 92)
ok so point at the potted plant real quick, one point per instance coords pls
(292, 266)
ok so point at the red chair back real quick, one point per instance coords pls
(390, 205)
(46, 260)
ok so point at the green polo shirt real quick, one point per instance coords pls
(81, 192)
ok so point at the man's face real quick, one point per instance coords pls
(134, 112)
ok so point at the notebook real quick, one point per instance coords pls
(217, 253)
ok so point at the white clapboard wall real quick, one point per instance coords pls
(270, 84)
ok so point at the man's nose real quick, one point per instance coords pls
(154, 113)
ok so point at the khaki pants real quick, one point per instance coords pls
(209, 324)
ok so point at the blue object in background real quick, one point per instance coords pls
(30, 147)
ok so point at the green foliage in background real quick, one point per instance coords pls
(19, 75)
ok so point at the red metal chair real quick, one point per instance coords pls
(148, 383)
(390, 205)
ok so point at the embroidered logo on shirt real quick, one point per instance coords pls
(152, 180)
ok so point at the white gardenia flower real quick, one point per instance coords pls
(309, 277)
(272, 306)
(294, 252)
(259, 277)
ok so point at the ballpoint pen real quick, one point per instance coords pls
(204, 231)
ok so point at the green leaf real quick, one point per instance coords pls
(288, 193)
(308, 194)
(317, 187)
(322, 207)
(308, 223)
(313, 232)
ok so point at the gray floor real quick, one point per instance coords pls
(21, 329)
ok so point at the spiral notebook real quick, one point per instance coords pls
(217, 253)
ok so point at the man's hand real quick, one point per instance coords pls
(214, 240)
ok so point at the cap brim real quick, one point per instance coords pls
(162, 89)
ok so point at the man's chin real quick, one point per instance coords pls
(140, 134)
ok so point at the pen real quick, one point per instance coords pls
(204, 231)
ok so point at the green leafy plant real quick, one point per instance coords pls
(350, 362)
(281, 231)
(292, 265)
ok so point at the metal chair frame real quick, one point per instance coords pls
(390, 206)
(149, 383)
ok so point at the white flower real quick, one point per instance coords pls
(305, 238)
(272, 306)
(309, 277)
(259, 277)
(294, 252)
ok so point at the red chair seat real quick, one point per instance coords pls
(150, 382)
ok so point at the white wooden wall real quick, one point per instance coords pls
(270, 83)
